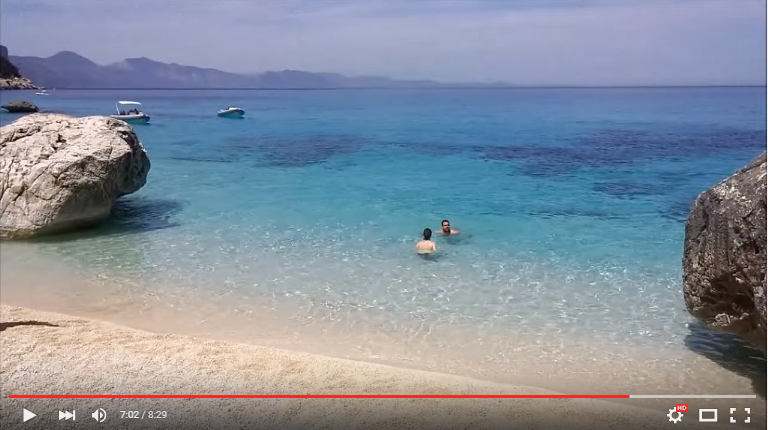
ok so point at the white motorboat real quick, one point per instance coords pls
(132, 116)
(231, 112)
(42, 92)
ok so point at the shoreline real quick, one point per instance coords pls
(560, 364)
(50, 353)
(177, 321)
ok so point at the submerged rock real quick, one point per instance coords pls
(20, 107)
(60, 173)
(724, 259)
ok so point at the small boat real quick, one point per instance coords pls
(132, 116)
(42, 93)
(231, 112)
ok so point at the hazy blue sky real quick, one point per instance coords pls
(581, 42)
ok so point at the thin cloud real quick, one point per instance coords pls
(565, 42)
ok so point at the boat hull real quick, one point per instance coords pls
(232, 114)
(132, 119)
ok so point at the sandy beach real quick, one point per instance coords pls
(48, 353)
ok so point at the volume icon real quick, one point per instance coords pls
(66, 415)
(99, 415)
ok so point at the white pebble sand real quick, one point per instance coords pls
(47, 353)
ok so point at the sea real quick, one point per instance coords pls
(295, 227)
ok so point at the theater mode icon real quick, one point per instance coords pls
(712, 415)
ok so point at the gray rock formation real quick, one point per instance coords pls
(10, 79)
(60, 173)
(20, 107)
(16, 83)
(724, 259)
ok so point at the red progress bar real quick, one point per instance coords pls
(409, 396)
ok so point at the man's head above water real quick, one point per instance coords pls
(445, 228)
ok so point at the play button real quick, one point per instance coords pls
(28, 415)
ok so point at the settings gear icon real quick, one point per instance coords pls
(675, 419)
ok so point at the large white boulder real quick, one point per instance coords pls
(60, 173)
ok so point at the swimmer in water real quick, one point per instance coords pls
(446, 230)
(426, 246)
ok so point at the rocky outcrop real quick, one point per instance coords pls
(60, 173)
(10, 78)
(14, 83)
(20, 107)
(724, 259)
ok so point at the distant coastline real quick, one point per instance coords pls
(69, 70)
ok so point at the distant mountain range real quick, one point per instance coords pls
(70, 70)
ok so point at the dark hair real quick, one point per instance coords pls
(427, 234)
(444, 221)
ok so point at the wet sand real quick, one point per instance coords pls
(48, 353)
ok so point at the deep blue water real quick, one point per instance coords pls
(571, 202)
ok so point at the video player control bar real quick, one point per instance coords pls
(393, 396)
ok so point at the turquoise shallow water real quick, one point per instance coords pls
(572, 204)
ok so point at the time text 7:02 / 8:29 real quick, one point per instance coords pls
(140, 415)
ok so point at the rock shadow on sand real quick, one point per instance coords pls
(129, 216)
(11, 324)
(731, 353)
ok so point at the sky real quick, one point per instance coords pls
(523, 42)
